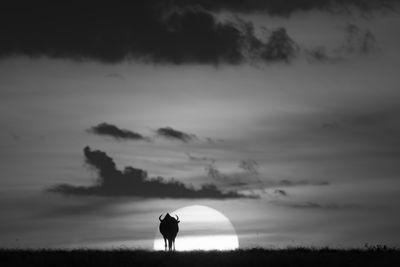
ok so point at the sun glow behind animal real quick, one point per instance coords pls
(202, 228)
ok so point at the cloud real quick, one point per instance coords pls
(169, 133)
(285, 8)
(150, 31)
(166, 31)
(112, 33)
(172, 134)
(213, 172)
(197, 158)
(280, 192)
(322, 54)
(274, 188)
(116, 76)
(213, 141)
(250, 166)
(280, 47)
(249, 176)
(358, 40)
(264, 186)
(289, 183)
(135, 182)
(314, 205)
(117, 133)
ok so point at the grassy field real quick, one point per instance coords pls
(253, 257)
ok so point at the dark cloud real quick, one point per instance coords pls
(172, 134)
(280, 192)
(280, 47)
(135, 182)
(165, 31)
(152, 31)
(118, 31)
(115, 132)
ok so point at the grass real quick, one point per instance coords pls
(325, 257)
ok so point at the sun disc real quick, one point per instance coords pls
(202, 228)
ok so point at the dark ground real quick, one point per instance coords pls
(379, 256)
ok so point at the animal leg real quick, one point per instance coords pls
(165, 244)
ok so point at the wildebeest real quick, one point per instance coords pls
(169, 229)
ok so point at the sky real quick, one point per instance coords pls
(281, 115)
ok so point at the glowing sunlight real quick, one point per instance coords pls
(202, 228)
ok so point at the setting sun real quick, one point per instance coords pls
(202, 228)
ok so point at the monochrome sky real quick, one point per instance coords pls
(282, 115)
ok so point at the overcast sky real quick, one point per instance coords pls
(283, 117)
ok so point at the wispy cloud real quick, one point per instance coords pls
(173, 134)
(250, 166)
(314, 205)
(199, 158)
(289, 183)
(248, 175)
(213, 172)
(247, 167)
(358, 40)
(280, 192)
(116, 76)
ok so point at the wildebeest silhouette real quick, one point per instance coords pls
(169, 229)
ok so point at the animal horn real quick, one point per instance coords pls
(177, 218)
(160, 217)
